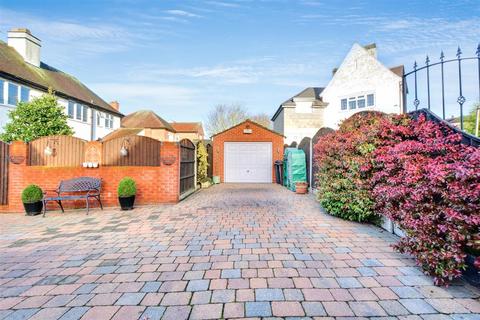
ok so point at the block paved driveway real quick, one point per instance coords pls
(231, 251)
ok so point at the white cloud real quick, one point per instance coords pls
(183, 13)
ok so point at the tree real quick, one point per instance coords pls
(225, 116)
(262, 119)
(202, 162)
(40, 117)
(470, 120)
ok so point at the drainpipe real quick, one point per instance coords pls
(92, 129)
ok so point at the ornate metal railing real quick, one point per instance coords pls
(458, 82)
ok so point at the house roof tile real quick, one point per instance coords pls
(14, 67)
(146, 119)
(193, 127)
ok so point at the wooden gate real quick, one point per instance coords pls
(4, 157)
(187, 168)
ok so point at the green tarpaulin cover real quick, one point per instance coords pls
(294, 167)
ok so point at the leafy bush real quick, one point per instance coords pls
(202, 163)
(32, 194)
(429, 184)
(343, 159)
(42, 116)
(127, 187)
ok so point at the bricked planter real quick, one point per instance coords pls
(32, 209)
(126, 203)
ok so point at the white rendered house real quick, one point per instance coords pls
(23, 76)
(360, 83)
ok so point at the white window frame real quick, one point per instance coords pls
(72, 104)
(355, 99)
(8, 93)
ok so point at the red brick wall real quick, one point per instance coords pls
(236, 134)
(154, 184)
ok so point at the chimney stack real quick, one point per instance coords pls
(371, 49)
(115, 105)
(27, 45)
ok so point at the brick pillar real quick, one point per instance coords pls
(16, 172)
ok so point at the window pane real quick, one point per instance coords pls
(12, 94)
(106, 121)
(24, 94)
(2, 101)
(361, 102)
(344, 104)
(352, 104)
(370, 100)
(85, 114)
(79, 112)
(71, 108)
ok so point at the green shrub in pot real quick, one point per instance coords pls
(32, 199)
(127, 189)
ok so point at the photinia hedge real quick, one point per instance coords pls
(343, 159)
(429, 184)
(415, 172)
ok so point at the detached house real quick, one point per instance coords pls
(360, 83)
(188, 130)
(144, 123)
(23, 76)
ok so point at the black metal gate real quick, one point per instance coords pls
(4, 157)
(187, 167)
(439, 86)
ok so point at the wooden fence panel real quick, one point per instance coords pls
(66, 151)
(4, 160)
(141, 151)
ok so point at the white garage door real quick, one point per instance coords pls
(248, 162)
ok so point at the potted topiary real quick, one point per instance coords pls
(127, 189)
(301, 187)
(32, 200)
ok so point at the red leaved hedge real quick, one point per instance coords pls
(417, 173)
(429, 184)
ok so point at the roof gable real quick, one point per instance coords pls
(13, 66)
(355, 52)
(312, 93)
(250, 122)
(145, 119)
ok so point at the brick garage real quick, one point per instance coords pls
(246, 153)
(155, 184)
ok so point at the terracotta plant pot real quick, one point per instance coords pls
(32, 209)
(301, 187)
(126, 203)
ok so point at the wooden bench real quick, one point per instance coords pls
(75, 189)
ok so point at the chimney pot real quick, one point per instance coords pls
(26, 44)
(115, 105)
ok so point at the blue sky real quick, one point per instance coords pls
(180, 58)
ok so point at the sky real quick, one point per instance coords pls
(181, 58)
